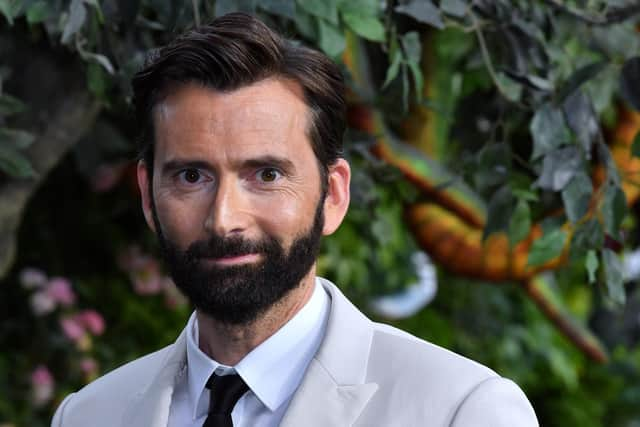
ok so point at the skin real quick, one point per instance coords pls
(240, 163)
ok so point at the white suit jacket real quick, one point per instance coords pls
(364, 374)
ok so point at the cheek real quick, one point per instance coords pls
(181, 220)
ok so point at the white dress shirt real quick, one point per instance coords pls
(273, 370)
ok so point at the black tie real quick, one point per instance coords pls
(225, 392)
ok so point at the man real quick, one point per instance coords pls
(241, 174)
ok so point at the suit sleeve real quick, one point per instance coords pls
(495, 402)
(59, 415)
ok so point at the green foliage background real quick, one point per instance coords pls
(519, 86)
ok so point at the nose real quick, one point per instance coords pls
(229, 210)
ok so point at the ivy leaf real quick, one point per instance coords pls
(326, 9)
(635, 147)
(306, 25)
(10, 105)
(417, 79)
(588, 235)
(582, 119)
(629, 87)
(394, 68)
(604, 153)
(548, 130)
(591, 263)
(332, 40)
(547, 247)
(457, 8)
(422, 11)
(366, 26)
(579, 77)
(576, 196)
(499, 211)
(14, 163)
(19, 139)
(613, 275)
(412, 46)
(10, 9)
(223, 7)
(38, 12)
(75, 21)
(285, 8)
(558, 168)
(614, 209)
(520, 223)
(508, 87)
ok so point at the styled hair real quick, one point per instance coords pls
(234, 51)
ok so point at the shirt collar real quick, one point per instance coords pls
(273, 370)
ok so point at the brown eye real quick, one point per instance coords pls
(269, 175)
(191, 176)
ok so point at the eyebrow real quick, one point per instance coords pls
(282, 163)
(177, 164)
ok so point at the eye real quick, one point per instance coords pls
(268, 174)
(191, 175)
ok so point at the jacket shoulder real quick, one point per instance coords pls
(426, 382)
(108, 396)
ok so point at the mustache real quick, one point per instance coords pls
(220, 247)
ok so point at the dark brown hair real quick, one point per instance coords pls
(236, 50)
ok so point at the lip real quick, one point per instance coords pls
(234, 260)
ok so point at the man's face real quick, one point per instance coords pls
(236, 195)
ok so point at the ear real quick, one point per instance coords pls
(337, 199)
(143, 185)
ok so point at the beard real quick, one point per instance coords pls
(239, 294)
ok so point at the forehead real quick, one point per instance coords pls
(272, 110)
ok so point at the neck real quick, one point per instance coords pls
(229, 344)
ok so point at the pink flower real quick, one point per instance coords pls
(107, 176)
(32, 278)
(73, 328)
(42, 385)
(42, 303)
(93, 321)
(89, 366)
(60, 290)
(173, 298)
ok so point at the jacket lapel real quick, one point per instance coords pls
(333, 391)
(150, 407)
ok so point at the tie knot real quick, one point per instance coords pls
(225, 392)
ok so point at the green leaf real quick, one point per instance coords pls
(613, 275)
(10, 105)
(591, 263)
(582, 119)
(38, 12)
(559, 167)
(412, 46)
(306, 24)
(227, 6)
(366, 26)
(577, 195)
(508, 87)
(629, 87)
(286, 8)
(588, 235)
(548, 130)
(418, 80)
(520, 223)
(75, 20)
(394, 68)
(14, 163)
(10, 9)
(332, 40)
(96, 80)
(613, 208)
(18, 139)
(579, 77)
(547, 247)
(499, 211)
(492, 167)
(326, 9)
(457, 8)
(422, 11)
